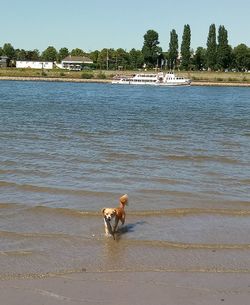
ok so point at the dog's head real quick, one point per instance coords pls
(108, 213)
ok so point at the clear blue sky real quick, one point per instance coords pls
(98, 24)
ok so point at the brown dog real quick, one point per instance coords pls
(116, 214)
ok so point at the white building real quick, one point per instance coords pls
(34, 64)
(75, 62)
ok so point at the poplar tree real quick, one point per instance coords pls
(211, 47)
(185, 47)
(223, 49)
(173, 50)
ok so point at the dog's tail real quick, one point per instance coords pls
(124, 200)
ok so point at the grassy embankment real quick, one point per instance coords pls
(197, 77)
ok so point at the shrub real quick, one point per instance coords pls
(101, 75)
(87, 75)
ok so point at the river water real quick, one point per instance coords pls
(69, 149)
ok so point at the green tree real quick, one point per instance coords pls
(20, 54)
(135, 59)
(111, 61)
(77, 52)
(199, 59)
(32, 55)
(9, 51)
(185, 48)
(211, 48)
(63, 53)
(103, 58)
(223, 49)
(50, 54)
(150, 49)
(173, 50)
(27, 55)
(121, 58)
(94, 55)
(242, 57)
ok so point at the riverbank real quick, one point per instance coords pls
(123, 288)
(105, 81)
(55, 79)
(198, 78)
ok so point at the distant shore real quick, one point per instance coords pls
(199, 78)
(105, 81)
(55, 79)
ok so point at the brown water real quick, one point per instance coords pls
(68, 150)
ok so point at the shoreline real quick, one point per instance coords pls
(142, 288)
(108, 81)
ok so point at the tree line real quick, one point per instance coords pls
(218, 54)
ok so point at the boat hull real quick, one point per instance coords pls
(168, 84)
(168, 80)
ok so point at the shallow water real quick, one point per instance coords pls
(68, 150)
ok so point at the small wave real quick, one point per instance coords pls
(64, 272)
(167, 137)
(6, 171)
(95, 135)
(20, 235)
(167, 181)
(60, 237)
(26, 172)
(179, 212)
(51, 190)
(8, 163)
(6, 205)
(122, 156)
(191, 211)
(200, 158)
(16, 253)
(245, 181)
(174, 212)
(40, 275)
(166, 192)
(64, 211)
(190, 246)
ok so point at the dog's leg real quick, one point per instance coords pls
(106, 227)
(116, 224)
(123, 218)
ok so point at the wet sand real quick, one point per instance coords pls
(124, 288)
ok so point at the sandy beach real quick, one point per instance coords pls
(125, 288)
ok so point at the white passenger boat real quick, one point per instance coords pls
(159, 79)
